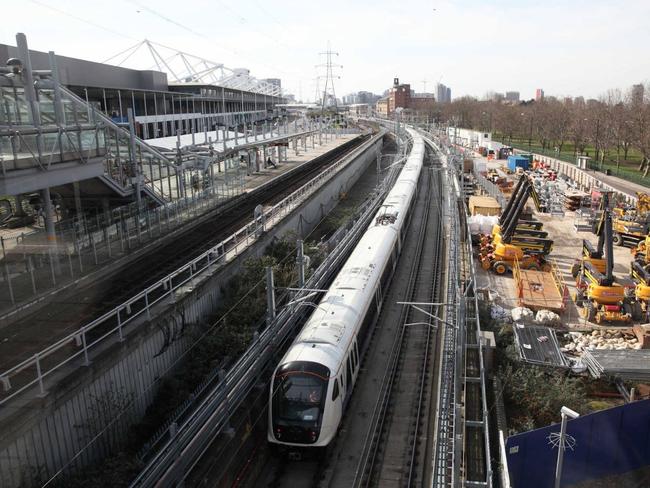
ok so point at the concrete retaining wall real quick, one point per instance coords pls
(88, 413)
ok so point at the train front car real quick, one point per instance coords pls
(298, 402)
(315, 379)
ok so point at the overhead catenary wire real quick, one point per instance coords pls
(81, 19)
(146, 390)
(156, 13)
(166, 19)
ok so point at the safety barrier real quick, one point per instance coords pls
(77, 345)
(186, 443)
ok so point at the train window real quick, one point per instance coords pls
(335, 390)
(300, 390)
(356, 352)
(349, 379)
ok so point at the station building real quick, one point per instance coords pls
(161, 107)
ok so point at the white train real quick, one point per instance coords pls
(314, 380)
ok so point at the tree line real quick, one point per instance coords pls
(616, 126)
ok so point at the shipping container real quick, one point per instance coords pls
(515, 162)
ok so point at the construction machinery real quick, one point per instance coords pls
(640, 251)
(628, 230)
(641, 275)
(600, 297)
(631, 224)
(595, 256)
(523, 227)
(512, 239)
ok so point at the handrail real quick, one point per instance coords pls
(516, 274)
(107, 120)
(561, 286)
(128, 311)
(176, 458)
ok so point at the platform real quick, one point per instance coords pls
(72, 288)
(540, 290)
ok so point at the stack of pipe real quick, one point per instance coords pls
(624, 364)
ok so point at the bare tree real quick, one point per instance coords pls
(612, 123)
(640, 118)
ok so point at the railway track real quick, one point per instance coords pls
(80, 306)
(395, 447)
(383, 439)
(385, 435)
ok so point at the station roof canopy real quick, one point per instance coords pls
(183, 68)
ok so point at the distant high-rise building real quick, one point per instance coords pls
(539, 95)
(637, 93)
(512, 96)
(367, 97)
(443, 93)
(350, 99)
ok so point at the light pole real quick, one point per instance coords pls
(561, 445)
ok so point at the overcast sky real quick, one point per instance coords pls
(566, 47)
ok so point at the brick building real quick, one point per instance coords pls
(398, 96)
(401, 96)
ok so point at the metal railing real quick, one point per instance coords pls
(491, 189)
(448, 455)
(32, 265)
(474, 312)
(173, 462)
(85, 243)
(57, 355)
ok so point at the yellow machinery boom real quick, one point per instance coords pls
(603, 299)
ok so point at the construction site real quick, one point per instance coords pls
(210, 276)
(563, 277)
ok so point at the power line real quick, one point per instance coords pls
(167, 19)
(273, 17)
(247, 55)
(81, 19)
(329, 77)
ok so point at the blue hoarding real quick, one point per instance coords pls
(609, 442)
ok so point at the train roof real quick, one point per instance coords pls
(329, 331)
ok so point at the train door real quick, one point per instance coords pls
(379, 296)
(349, 376)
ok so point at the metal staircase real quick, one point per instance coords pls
(50, 131)
(130, 161)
